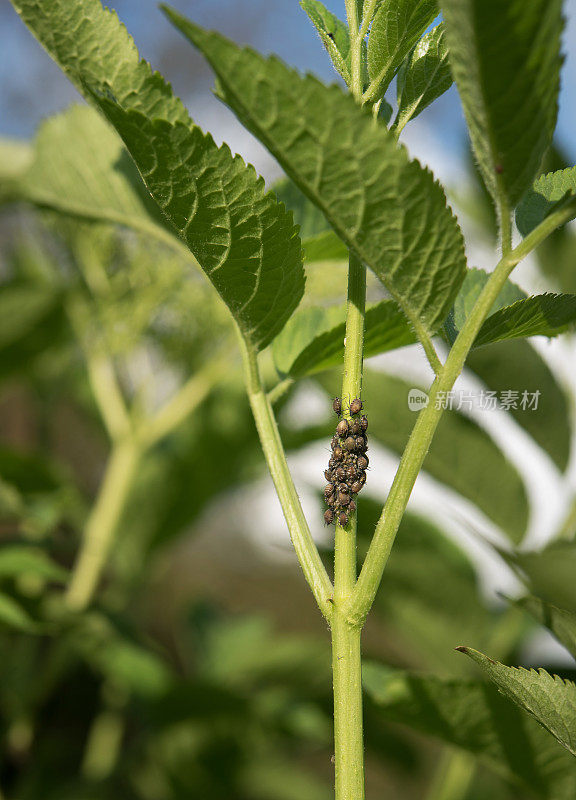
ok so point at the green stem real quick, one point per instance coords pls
(347, 680)
(306, 550)
(428, 419)
(103, 522)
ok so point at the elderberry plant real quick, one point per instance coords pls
(343, 161)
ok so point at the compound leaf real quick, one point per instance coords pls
(423, 77)
(386, 208)
(540, 315)
(548, 698)
(474, 717)
(395, 30)
(505, 58)
(243, 239)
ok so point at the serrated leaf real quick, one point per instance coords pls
(313, 340)
(16, 560)
(515, 366)
(334, 34)
(548, 698)
(386, 208)
(244, 241)
(396, 28)
(505, 58)
(561, 623)
(80, 167)
(423, 77)
(540, 315)
(12, 615)
(475, 717)
(548, 192)
(469, 293)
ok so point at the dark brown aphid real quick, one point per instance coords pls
(334, 442)
(343, 487)
(362, 478)
(328, 491)
(343, 518)
(328, 475)
(499, 169)
(329, 516)
(362, 462)
(355, 428)
(361, 444)
(352, 507)
(338, 454)
(349, 444)
(342, 428)
(356, 406)
(341, 473)
(364, 423)
(350, 472)
(337, 405)
(343, 498)
(356, 487)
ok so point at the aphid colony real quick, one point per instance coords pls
(346, 473)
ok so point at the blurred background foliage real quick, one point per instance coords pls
(202, 668)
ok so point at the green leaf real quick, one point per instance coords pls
(473, 716)
(548, 192)
(505, 58)
(80, 167)
(334, 34)
(17, 560)
(396, 28)
(423, 77)
(386, 208)
(540, 315)
(548, 698)
(561, 623)
(14, 616)
(15, 157)
(469, 293)
(245, 242)
(313, 340)
(515, 366)
(488, 479)
(550, 572)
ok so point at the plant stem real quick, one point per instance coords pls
(348, 737)
(427, 421)
(306, 550)
(103, 522)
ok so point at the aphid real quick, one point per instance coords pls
(338, 454)
(343, 487)
(334, 442)
(342, 428)
(361, 444)
(337, 405)
(329, 516)
(343, 498)
(356, 406)
(364, 423)
(328, 475)
(349, 444)
(328, 491)
(350, 472)
(499, 169)
(343, 518)
(356, 487)
(355, 428)
(362, 478)
(341, 473)
(352, 507)
(362, 463)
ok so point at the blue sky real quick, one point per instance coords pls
(32, 87)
